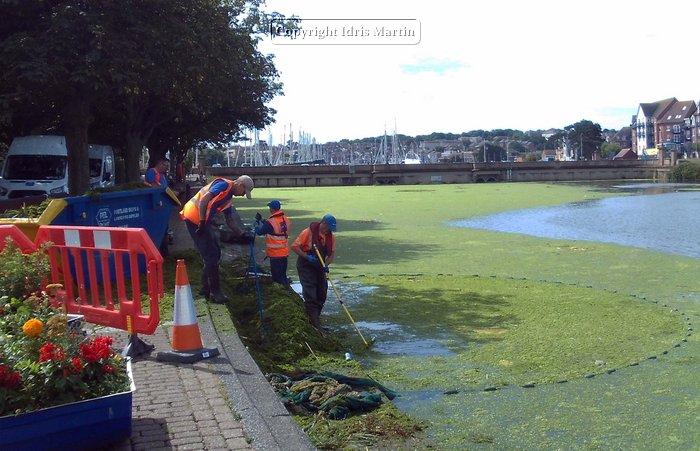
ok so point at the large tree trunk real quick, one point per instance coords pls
(132, 156)
(76, 118)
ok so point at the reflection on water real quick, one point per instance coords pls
(666, 222)
(395, 340)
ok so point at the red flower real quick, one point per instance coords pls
(50, 352)
(77, 364)
(109, 369)
(96, 350)
(8, 378)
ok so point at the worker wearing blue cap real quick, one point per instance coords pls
(275, 228)
(316, 239)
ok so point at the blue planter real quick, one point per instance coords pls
(82, 425)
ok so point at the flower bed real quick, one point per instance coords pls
(45, 363)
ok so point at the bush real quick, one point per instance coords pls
(686, 173)
(21, 274)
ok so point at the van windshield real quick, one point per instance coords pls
(35, 167)
(95, 167)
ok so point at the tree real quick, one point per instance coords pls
(585, 137)
(131, 73)
(53, 50)
(609, 150)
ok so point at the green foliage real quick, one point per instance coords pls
(193, 75)
(609, 150)
(585, 137)
(27, 211)
(686, 173)
(21, 274)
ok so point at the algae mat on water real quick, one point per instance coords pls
(510, 332)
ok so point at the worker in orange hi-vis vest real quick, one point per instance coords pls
(275, 228)
(157, 175)
(317, 239)
(198, 212)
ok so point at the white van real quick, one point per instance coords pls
(37, 165)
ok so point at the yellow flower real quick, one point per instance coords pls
(33, 327)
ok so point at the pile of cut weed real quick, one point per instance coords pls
(383, 428)
(277, 333)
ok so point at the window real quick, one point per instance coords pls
(677, 138)
(676, 129)
(35, 167)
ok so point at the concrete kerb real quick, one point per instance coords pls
(264, 417)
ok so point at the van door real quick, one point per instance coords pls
(108, 169)
(101, 166)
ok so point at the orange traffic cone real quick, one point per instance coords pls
(186, 339)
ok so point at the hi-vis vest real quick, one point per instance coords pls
(218, 203)
(158, 182)
(276, 242)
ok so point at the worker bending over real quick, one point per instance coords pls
(198, 213)
(312, 274)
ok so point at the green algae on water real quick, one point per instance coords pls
(515, 332)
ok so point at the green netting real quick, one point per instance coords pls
(332, 394)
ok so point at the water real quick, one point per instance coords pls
(664, 222)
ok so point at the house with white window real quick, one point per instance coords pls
(663, 124)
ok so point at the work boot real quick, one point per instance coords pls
(314, 317)
(215, 294)
(204, 290)
(217, 297)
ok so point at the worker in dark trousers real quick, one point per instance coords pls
(198, 212)
(157, 177)
(275, 228)
(312, 275)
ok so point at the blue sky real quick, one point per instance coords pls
(479, 65)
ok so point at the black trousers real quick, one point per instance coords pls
(314, 286)
(278, 269)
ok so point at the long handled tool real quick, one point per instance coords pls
(337, 294)
(254, 268)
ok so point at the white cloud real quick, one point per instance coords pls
(485, 65)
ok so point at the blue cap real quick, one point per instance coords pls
(274, 204)
(330, 221)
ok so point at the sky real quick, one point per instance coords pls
(469, 65)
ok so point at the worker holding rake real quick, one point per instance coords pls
(275, 229)
(314, 244)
